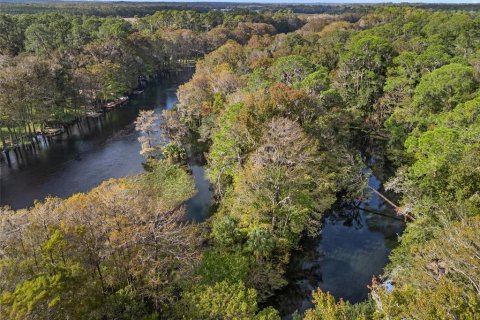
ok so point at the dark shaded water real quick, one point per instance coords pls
(353, 246)
(95, 150)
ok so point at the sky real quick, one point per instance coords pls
(306, 1)
(317, 1)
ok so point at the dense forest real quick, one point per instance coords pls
(277, 105)
(56, 67)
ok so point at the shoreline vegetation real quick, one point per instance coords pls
(280, 105)
(56, 67)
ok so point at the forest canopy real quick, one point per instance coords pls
(280, 105)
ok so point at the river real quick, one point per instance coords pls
(95, 150)
(353, 246)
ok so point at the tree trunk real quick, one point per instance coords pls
(398, 209)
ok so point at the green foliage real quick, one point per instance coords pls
(11, 36)
(260, 242)
(443, 302)
(326, 308)
(362, 70)
(443, 89)
(50, 32)
(101, 254)
(112, 80)
(443, 167)
(22, 82)
(174, 152)
(127, 304)
(61, 290)
(229, 142)
(167, 182)
(291, 70)
(281, 115)
(218, 266)
(225, 232)
(100, 59)
(114, 28)
(400, 78)
(45, 292)
(280, 188)
(434, 133)
(441, 280)
(438, 91)
(316, 81)
(226, 301)
(257, 80)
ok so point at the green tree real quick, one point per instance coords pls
(111, 80)
(362, 71)
(316, 81)
(326, 308)
(442, 172)
(441, 280)
(174, 152)
(114, 28)
(443, 89)
(11, 36)
(121, 243)
(291, 69)
(217, 266)
(48, 33)
(230, 141)
(226, 301)
(281, 188)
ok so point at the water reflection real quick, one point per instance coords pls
(353, 246)
(198, 207)
(94, 150)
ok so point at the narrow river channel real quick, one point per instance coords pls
(353, 246)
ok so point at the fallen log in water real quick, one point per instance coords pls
(398, 210)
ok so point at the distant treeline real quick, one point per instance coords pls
(131, 9)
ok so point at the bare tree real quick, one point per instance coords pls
(146, 124)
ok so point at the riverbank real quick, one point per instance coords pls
(91, 151)
(31, 135)
(353, 246)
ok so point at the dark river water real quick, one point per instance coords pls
(353, 246)
(95, 150)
